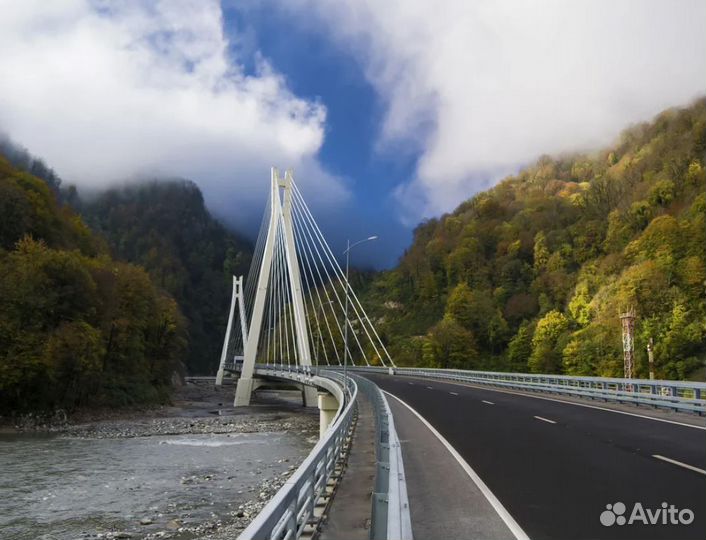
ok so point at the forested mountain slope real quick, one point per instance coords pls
(532, 274)
(77, 328)
(165, 227)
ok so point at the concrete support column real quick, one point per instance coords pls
(309, 396)
(243, 392)
(327, 411)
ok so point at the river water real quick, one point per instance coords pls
(67, 488)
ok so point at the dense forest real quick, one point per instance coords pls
(532, 274)
(165, 227)
(77, 327)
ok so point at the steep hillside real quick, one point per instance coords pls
(165, 227)
(531, 275)
(21, 159)
(77, 328)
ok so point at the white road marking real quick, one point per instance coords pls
(487, 402)
(481, 387)
(429, 388)
(679, 463)
(453, 393)
(492, 499)
(411, 383)
(545, 419)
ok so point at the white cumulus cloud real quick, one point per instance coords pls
(480, 87)
(111, 90)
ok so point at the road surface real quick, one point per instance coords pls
(555, 466)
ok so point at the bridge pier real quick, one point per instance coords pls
(309, 396)
(328, 406)
(243, 392)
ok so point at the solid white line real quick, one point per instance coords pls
(487, 402)
(453, 393)
(492, 499)
(545, 419)
(679, 463)
(488, 388)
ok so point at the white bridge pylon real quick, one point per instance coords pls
(291, 311)
(236, 298)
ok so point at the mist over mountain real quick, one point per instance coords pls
(164, 226)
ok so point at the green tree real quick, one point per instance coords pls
(546, 351)
(520, 348)
(449, 345)
(74, 353)
(580, 304)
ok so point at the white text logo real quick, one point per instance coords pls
(666, 514)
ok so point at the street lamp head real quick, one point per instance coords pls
(351, 246)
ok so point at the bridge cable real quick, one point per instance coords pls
(335, 292)
(329, 302)
(306, 264)
(343, 287)
(302, 202)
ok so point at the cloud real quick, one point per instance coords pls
(480, 87)
(105, 91)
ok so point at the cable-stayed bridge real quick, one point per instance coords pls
(295, 308)
(458, 454)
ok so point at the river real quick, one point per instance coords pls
(160, 486)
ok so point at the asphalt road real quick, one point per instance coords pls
(555, 466)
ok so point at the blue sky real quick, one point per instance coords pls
(319, 70)
(389, 112)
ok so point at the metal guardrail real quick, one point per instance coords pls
(291, 511)
(391, 518)
(684, 396)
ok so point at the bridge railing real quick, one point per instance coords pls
(290, 513)
(684, 396)
(391, 518)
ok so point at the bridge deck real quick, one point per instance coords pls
(554, 466)
(444, 502)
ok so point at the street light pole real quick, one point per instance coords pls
(349, 246)
(345, 326)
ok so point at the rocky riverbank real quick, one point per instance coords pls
(251, 423)
(196, 407)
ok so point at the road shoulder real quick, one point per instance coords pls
(444, 501)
